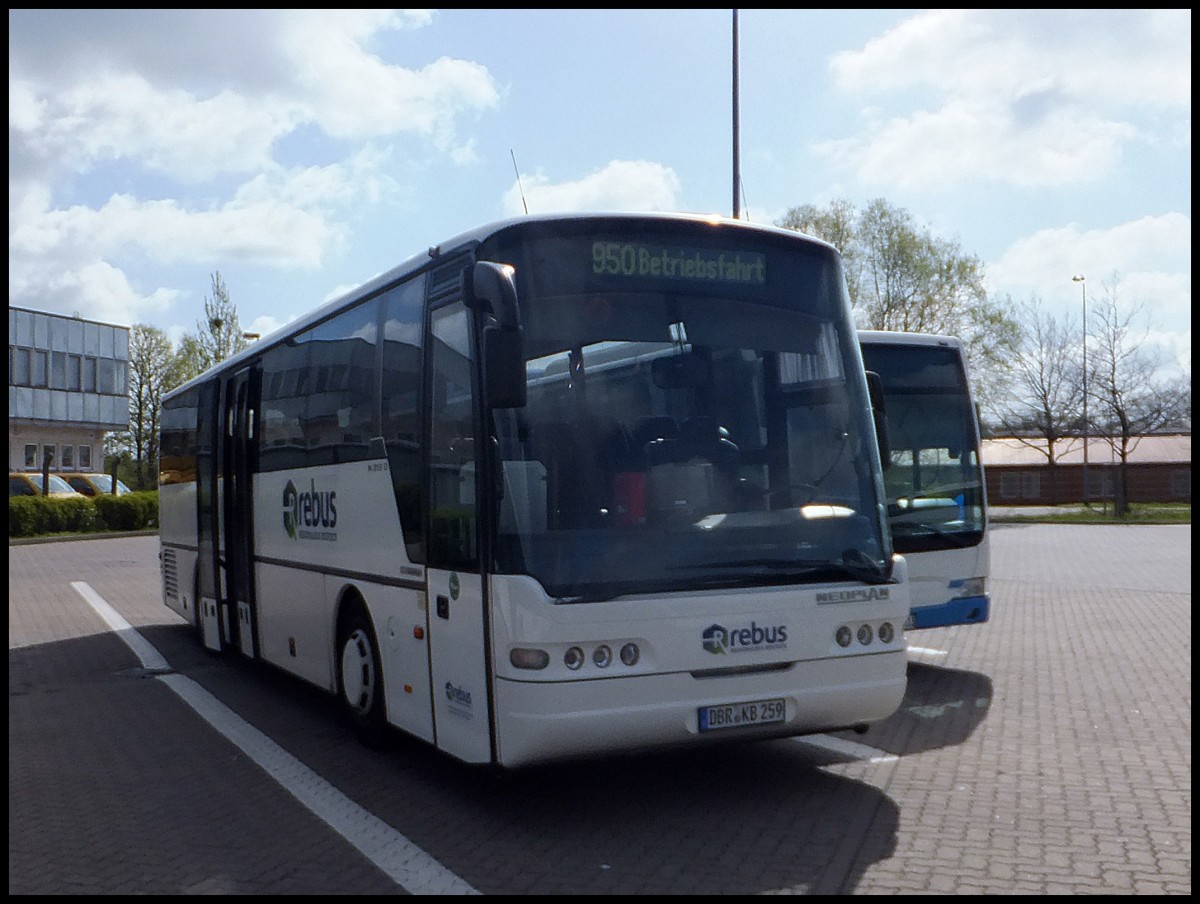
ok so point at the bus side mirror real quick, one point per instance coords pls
(492, 287)
(879, 412)
(503, 366)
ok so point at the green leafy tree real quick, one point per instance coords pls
(901, 277)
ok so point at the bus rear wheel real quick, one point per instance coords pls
(360, 679)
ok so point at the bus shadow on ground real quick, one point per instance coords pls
(735, 818)
(942, 707)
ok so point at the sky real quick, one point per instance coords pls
(300, 153)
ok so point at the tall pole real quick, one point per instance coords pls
(1079, 278)
(737, 165)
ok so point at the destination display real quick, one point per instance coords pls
(644, 260)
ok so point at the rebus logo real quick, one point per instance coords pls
(312, 509)
(719, 640)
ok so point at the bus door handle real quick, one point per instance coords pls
(443, 606)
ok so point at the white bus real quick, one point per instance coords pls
(560, 486)
(937, 502)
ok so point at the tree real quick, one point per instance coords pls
(151, 365)
(189, 360)
(1044, 391)
(1125, 381)
(217, 337)
(901, 277)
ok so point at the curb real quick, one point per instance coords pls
(112, 535)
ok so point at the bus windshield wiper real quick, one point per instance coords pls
(853, 564)
(916, 529)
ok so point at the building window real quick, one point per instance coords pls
(107, 379)
(40, 367)
(68, 458)
(85, 458)
(1031, 485)
(89, 374)
(1181, 484)
(31, 459)
(58, 370)
(1010, 485)
(50, 454)
(74, 372)
(19, 372)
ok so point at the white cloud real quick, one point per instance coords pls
(1147, 261)
(319, 73)
(621, 185)
(183, 100)
(1027, 97)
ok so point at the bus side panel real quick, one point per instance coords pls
(179, 586)
(337, 518)
(320, 531)
(177, 514)
(177, 539)
(460, 675)
(400, 620)
(294, 623)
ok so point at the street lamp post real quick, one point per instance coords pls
(1079, 278)
(737, 162)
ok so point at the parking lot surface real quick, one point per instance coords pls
(1047, 751)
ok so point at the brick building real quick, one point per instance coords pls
(1160, 470)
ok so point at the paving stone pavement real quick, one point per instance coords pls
(1045, 752)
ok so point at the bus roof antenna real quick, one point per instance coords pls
(519, 188)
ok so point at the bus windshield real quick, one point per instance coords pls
(934, 480)
(696, 418)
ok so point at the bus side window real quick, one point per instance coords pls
(400, 405)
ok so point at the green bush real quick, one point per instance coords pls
(26, 516)
(32, 516)
(132, 511)
(29, 516)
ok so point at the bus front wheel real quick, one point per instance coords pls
(360, 679)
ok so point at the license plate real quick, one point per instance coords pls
(738, 715)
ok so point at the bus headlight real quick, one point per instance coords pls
(971, 587)
(630, 654)
(524, 658)
(573, 658)
(864, 634)
(602, 656)
(843, 636)
(886, 632)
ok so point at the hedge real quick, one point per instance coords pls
(32, 516)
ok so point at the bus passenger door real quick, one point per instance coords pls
(458, 650)
(209, 577)
(240, 403)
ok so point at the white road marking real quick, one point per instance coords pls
(406, 864)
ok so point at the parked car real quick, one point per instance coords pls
(94, 484)
(30, 484)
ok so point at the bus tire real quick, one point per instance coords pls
(360, 679)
